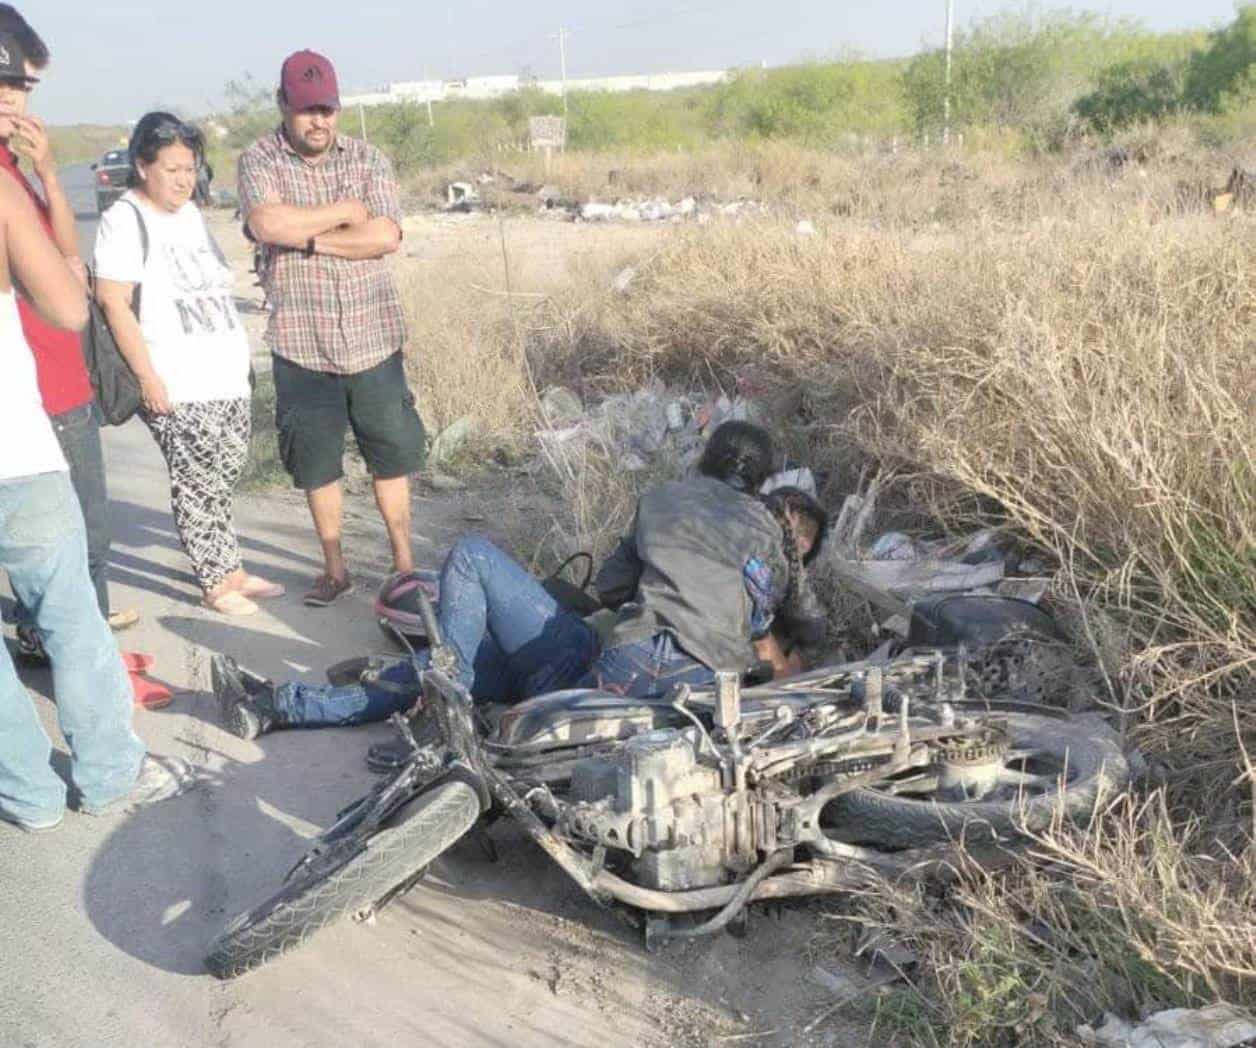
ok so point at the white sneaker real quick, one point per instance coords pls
(160, 779)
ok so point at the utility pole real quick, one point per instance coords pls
(946, 95)
(562, 59)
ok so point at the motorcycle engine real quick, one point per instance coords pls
(657, 799)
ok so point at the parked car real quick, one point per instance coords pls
(111, 174)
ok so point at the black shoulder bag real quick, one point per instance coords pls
(116, 387)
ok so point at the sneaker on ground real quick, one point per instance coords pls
(326, 590)
(246, 700)
(160, 779)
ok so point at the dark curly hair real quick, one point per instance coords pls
(801, 613)
(740, 454)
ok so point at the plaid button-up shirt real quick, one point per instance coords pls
(326, 314)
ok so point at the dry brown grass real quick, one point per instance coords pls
(1067, 353)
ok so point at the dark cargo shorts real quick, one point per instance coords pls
(314, 408)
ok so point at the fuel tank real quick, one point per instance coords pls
(579, 717)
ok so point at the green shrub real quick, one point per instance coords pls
(816, 104)
(1133, 92)
(1223, 74)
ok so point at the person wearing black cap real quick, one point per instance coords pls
(63, 383)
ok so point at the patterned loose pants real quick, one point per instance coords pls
(205, 445)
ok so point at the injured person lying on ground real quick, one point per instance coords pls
(710, 576)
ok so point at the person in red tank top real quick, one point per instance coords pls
(64, 385)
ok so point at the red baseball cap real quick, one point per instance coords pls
(308, 80)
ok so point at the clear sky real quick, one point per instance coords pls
(114, 59)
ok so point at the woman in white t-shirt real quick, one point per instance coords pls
(187, 347)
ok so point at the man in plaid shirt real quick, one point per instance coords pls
(324, 209)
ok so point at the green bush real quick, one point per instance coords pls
(816, 104)
(1133, 92)
(1222, 75)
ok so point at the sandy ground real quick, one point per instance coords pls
(106, 920)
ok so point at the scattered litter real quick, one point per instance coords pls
(623, 280)
(894, 545)
(657, 209)
(836, 983)
(805, 228)
(1218, 1026)
(561, 406)
(451, 439)
(461, 196)
(803, 479)
(884, 956)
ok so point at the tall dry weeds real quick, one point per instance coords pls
(1068, 355)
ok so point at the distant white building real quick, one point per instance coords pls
(486, 87)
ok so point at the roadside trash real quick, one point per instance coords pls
(561, 406)
(894, 545)
(805, 228)
(1218, 1026)
(623, 280)
(886, 959)
(594, 212)
(803, 479)
(460, 196)
(451, 439)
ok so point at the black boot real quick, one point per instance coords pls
(247, 700)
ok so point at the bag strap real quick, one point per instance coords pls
(588, 568)
(143, 229)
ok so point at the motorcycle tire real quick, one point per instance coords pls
(1086, 754)
(426, 827)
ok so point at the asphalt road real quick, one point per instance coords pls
(105, 921)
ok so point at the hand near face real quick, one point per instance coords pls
(30, 140)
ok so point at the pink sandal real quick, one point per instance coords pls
(258, 588)
(231, 603)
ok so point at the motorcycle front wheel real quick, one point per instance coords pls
(314, 898)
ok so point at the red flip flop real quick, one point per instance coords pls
(150, 694)
(138, 662)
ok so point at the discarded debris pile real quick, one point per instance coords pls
(1218, 1026)
(657, 209)
(642, 429)
(490, 191)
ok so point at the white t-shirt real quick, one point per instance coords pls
(27, 443)
(187, 310)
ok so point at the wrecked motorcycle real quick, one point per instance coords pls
(681, 811)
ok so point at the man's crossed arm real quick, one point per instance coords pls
(344, 229)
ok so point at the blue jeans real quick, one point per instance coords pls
(646, 668)
(511, 638)
(43, 549)
(78, 432)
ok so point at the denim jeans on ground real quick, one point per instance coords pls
(78, 431)
(44, 551)
(645, 668)
(512, 640)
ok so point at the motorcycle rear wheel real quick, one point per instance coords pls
(1056, 768)
(423, 829)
